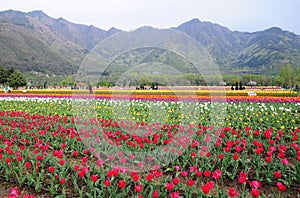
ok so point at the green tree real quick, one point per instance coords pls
(70, 80)
(16, 79)
(287, 76)
(3, 75)
(297, 76)
(144, 81)
(63, 83)
(105, 83)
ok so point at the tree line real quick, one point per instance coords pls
(12, 78)
(288, 77)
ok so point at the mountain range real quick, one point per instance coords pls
(36, 42)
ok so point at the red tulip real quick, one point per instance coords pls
(285, 161)
(175, 195)
(198, 173)
(176, 180)
(206, 173)
(76, 167)
(277, 174)
(184, 173)
(191, 182)
(27, 164)
(75, 153)
(155, 194)
(217, 174)
(255, 192)
(62, 181)
(81, 174)
(169, 186)
(232, 192)
(235, 156)
(51, 169)
(205, 189)
(62, 162)
(280, 186)
(122, 184)
(255, 184)
(94, 178)
(138, 188)
(107, 183)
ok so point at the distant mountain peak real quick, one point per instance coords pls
(113, 30)
(195, 20)
(36, 12)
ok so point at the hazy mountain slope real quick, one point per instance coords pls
(37, 42)
(258, 50)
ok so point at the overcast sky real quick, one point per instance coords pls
(242, 15)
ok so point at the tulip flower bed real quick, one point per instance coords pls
(149, 148)
(190, 96)
(165, 92)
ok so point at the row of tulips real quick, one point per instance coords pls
(190, 150)
(284, 116)
(48, 159)
(167, 92)
(162, 97)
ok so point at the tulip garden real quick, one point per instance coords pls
(143, 145)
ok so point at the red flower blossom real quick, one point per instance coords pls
(81, 174)
(205, 189)
(8, 160)
(175, 195)
(198, 173)
(191, 182)
(94, 178)
(149, 177)
(122, 184)
(269, 159)
(268, 133)
(169, 186)
(184, 173)
(51, 169)
(115, 172)
(138, 188)
(135, 177)
(277, 174)
(235, 156)
(14, 192)
(217, 174)
(27, 164)
(19, 158)
(206, 173)
(107, 183)
(176, 180)
(255, 184)
(221, 156)
(242, 180)
(62, 181)
(76, 167)
(280, 186)
(285, 161)
(62, 162)
(255, 192)
(232, 192)
(75, 153)
(210, 184)
(155, 194)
